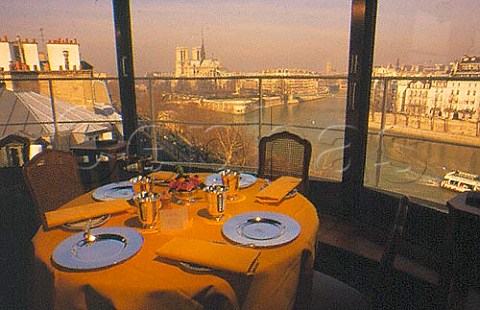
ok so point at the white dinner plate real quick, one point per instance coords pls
(112, 191)
(261, 229)
(112, 246)
(80, 225)
(246, 180)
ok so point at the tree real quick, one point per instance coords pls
(229, 144)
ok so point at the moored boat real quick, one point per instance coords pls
(460, 181)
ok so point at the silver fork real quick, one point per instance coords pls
(87, 235)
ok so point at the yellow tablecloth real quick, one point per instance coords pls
(147, 282)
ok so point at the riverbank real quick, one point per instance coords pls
(457, 132)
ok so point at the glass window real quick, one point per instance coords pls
(410, 152)
(222, 116)
(207, 90)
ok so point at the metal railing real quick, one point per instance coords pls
(156, 94)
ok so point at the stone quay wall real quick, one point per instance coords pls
(427, 128)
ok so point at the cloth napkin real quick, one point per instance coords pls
(83, 212)
(210, 254)
(278, 189)
(163, 175)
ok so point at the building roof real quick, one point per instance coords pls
(19, 109)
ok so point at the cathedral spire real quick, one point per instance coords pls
(202, 52)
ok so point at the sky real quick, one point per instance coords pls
(251, 35)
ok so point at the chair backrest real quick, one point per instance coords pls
(53, 179)
(402, 255)
(285, 154)
(384, 287)
(396, 236)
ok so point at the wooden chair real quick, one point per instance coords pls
(383, 282)
(53, 179)
(285, 154)
(406, 268)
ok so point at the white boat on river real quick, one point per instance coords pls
(461, 181)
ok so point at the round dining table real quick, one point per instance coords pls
(281, 279)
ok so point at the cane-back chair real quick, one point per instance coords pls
(53, 179)
(285, 154)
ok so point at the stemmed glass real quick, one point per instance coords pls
(216, 196)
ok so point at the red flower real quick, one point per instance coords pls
(185, 183)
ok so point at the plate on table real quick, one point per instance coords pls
(291, 193)
(112, 246)
(80, 225)
(261, 229)
(194, 267)
(112, 191)
(246, 180)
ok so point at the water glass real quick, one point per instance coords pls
(215, 195)
(148, 205)
(231, 179)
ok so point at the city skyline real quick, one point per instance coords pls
(252, 35)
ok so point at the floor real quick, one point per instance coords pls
(352, 237)
(350, 252)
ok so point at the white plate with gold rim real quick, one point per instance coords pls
(112, 246)
(112, 191)
(261, 229)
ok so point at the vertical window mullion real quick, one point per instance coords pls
(362, 34)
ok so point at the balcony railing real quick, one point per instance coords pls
(214, 121)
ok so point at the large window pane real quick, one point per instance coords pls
(263, 66)
(305, 42)
(424, 112)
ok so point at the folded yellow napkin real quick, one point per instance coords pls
(83, 212)
(163, 175)
(277, 190)
(215, 255)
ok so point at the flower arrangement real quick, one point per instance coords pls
(184, 183)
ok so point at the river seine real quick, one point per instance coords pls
(400, 165)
